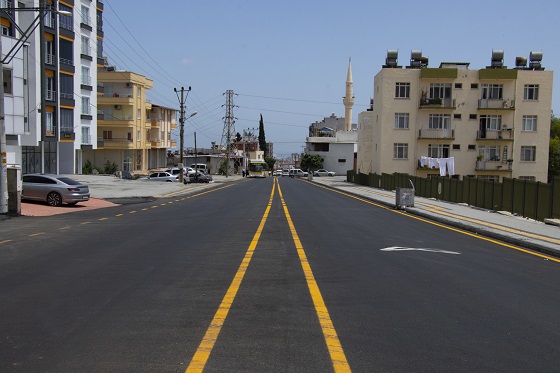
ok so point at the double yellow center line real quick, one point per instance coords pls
(338, 358)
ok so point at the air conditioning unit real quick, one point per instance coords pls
(118, 107)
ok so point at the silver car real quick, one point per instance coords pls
(162, 176)
(54, 189)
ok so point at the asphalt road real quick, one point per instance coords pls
(238, 279)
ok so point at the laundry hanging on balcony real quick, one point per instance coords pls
(445, 165)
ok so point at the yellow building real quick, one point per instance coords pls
(123, 125)
(493, 122)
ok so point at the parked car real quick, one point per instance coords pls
(323, 172)
(53, 189)
(199, 177)
(176, 171)
(285, 172)
(277, 173)
(162, 176)
(296, 172)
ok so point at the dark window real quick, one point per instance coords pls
(342, 160)
(474, 85)
(456, 116)
(459, 85)
(472, 147)
(456, 146)
(66, 120)
(7, 76)
(472, 116)
(66, 51)
(67, 86)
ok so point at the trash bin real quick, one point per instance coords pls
(404, 198)
(14, 189)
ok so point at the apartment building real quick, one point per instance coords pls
(130, 133)
(61, 65)
(489, 123)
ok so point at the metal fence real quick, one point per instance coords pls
(525, 198)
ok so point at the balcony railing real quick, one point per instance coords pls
(66, 23)
(86, 20)
(68, 96)
(51, 95)
(86, 50)
(493, 165)
(86, 110)
(86, 80)
(49, 20)
(436, 133)
(66, 61)
(496, 104)
(50, 59)
(50, 131)
(446, 103)
(495, 135)
(118, 139)
(117, 117)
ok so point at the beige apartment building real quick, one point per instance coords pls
(124, 124)
(489, 123)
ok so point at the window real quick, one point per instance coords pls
(8, 85)
(66, 21)
(471, 147)
(491, 122)
(529, 123)
(66, 120)
(138, 136)
(490, 153)
(456, 116)
(107, 135)
(440, 90)
(6, 31)
(66, 51)
(528, 178)
(531, 92)
(51, 93)
(401, 120)
(456, 146)
(86, 136)
(139, 92)
(139, 114)
(50, 123)
(400, 151)
(492, 91)
(85, 106)
(474, 85)
(493, 178)
(86, 78)
(402, 90)
(99, 47)
(458, 85)
(85, 15)
(528, 153)
(472, 116)
(66, 86)
(438, 150)
(86, 50)
(440, 121)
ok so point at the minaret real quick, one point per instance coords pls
(348, 101)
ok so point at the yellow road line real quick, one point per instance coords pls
(551, 258)
(208, 341)
(5, 241)
(36, 234)
(338, 358)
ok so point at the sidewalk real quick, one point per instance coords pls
(503, 226)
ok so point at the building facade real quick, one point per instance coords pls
(125, 126)
(64, 53)
(493, 122)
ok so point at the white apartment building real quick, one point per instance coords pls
(60, 111)
(493, 122)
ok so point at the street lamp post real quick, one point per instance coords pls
(7, 58)
(182, 127)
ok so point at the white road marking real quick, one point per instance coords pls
(398, 248)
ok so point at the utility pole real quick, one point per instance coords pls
(182, 128)
(229, 127)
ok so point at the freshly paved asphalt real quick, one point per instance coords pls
(503, 226)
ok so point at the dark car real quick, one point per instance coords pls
(199, 177)
(53, 189)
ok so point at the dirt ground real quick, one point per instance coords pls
(29, 208)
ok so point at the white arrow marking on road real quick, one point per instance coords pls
(398, 248)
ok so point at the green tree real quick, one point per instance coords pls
(554, 149)
(262, 139)
(311, 162)
(270, 162)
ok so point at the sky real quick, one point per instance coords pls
(288, 60)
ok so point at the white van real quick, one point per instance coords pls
(199, 166)
(296, 172)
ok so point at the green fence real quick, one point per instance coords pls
(530, 199)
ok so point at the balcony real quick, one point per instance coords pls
(50, 131)
(495, 135)
(49, 20)
(493, 165)
(51, 95)
(6, 4)
(437, 103)
(499, 104)
(86, 139)
(118, 143)
(446, 134)
(50, 59)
